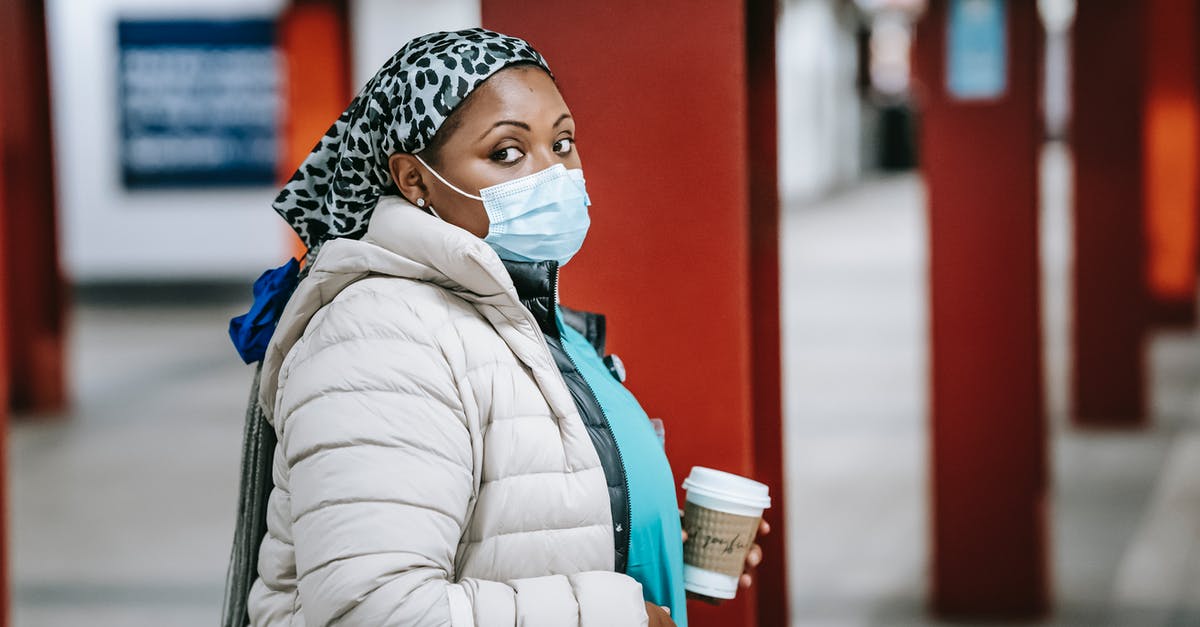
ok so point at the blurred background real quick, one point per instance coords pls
(960, 322)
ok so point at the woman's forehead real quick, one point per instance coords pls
(521, 93)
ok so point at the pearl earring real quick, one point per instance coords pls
(420, 202)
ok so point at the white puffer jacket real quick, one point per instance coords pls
(431, 468)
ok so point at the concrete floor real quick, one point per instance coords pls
(122, 512)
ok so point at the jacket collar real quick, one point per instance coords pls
(536, 283)
(405, 241)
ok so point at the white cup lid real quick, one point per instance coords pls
(727, 486)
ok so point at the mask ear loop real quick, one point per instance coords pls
(447, 183)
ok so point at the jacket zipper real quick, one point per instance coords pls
(620, 458)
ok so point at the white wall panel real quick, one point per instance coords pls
(108, 232)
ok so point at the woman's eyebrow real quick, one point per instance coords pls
(503, 123)
(519, 124)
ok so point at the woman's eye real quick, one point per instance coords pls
(564, 145)
(507, 155)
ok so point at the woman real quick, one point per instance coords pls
(452, 448)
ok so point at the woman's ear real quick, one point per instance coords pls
(407, 177)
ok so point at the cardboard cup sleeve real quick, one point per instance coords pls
(717, 541)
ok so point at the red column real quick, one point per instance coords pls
(765, 342)
(35, 295)
(1110, 300)
(678, 144)
(1171, 167)
(314, 46)
(4, 396)
(31, 291)
(988, 433)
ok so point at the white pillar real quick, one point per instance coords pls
(378, 28)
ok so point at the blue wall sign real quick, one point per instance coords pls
(199, 102)
(977, 49)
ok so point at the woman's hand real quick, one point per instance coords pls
(753, 558)
(659, 616)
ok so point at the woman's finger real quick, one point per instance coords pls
(745, 581)
(763, 528)
(684, 534)
(754, 557)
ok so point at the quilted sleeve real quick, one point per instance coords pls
(379, 459)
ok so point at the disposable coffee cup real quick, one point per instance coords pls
(721, 516)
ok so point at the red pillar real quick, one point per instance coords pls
(35, 295)
(765, 341)
(1171, 167)
(315, 49)
(1108, 386)
(988, 433)
(4, 396)
(31, 290)
(674, 102)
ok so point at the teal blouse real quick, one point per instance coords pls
(656, 546)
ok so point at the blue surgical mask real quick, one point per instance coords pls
(536, 217)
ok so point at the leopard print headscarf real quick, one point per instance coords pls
(333, 193)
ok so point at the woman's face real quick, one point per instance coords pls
(512, 125)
